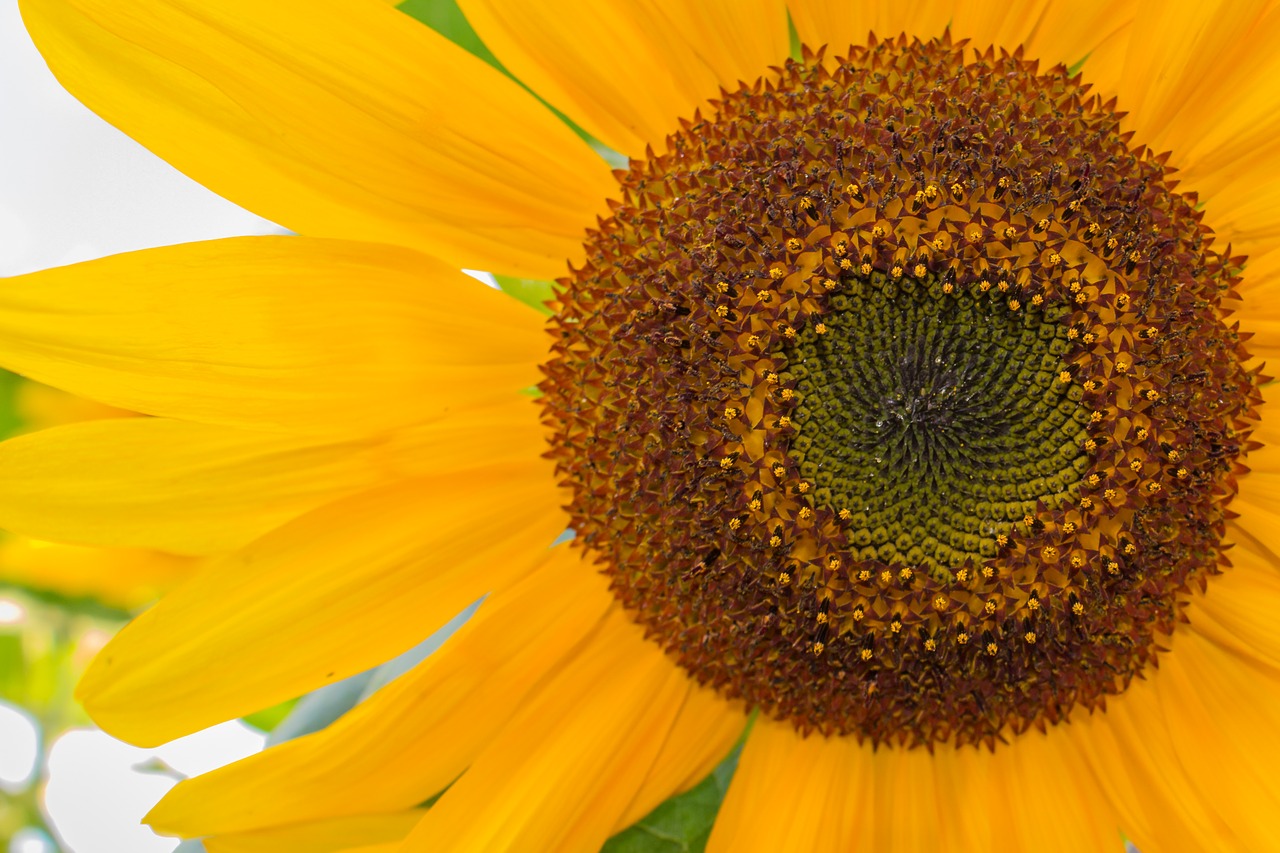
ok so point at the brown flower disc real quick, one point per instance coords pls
(898, 397)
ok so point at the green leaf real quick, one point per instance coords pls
(268, 719)
(531, 291)
(682, 824)
(10, 421)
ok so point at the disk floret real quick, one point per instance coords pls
(898, 398)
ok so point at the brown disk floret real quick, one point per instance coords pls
(897, 397)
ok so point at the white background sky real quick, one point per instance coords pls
(74, 188)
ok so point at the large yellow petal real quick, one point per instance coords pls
(192, 488)
(703, 733)
(335, 118)
(331, 594)
(332, 835)
(1198, 80)
(789, 793)
(830, 795)
(627, 71)
(1051, 31)
(840, 24)
(409, 740)
(1238, 612)
(563, 771)
(1187, 753)
(283, 333)
(123, 577)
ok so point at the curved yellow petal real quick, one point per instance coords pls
(412, 738)
(704, 731)
(333, 593)
(335, 118)
(1186, 753)
(1197, 80)
(627, 71)
(789, 792)
(123, 577)
(334, 835)
(1050, 31)
(1238, 611)
(830, 795)
(840, 23)
(281, 333)
(192, 488)
(562, 772)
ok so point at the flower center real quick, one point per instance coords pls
(897, 398)
(938, 419)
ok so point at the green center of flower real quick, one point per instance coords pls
(898, 398)
(937, 419)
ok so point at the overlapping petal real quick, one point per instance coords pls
(627, 71)
(335, 118)
(331, 594)
(320, 337)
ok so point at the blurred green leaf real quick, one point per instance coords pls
(71, 605)
(9, 420)
(531, 291)
(268, 719)
(13, 666)
(682, 824)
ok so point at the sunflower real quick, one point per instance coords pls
(900, 394)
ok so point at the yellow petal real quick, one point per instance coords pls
(322, 836)
(1197, 79)
(626, 72)
(282, 333)
(1186, 753)
(123, 577)
(832, 794)
(409, 740)
(789, 793)
(333, 593)
(1050, 31)
(335, 118)
(840, 24)
(703, 733)
(193, 488)
(563, 771)
(1238, 612)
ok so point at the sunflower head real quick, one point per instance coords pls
(898, 396)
